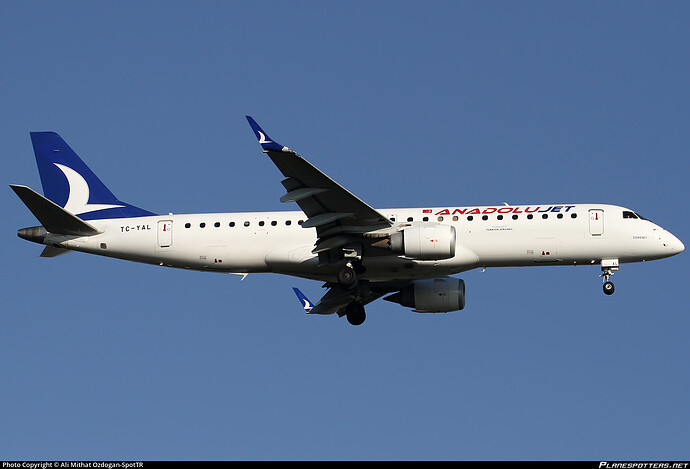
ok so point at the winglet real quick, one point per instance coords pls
(306, 304)
(264, 140)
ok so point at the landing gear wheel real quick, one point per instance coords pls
(347, 276)
(355, 313)
(609, 288)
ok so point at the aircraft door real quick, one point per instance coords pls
(165, 233)
(596, 222)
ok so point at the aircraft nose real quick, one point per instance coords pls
(675, 244)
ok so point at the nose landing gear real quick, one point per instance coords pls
(609, 288)
(608, 267)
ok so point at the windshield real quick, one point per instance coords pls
(633, 215)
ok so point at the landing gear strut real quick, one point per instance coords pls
(608, 267)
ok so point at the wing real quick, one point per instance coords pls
(340, 218)
(337, 298)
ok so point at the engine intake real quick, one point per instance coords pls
(425, 242)
(435, 295)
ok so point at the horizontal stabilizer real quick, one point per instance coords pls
(54, 218)
(52, 251)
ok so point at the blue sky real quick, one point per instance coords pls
(405, 104)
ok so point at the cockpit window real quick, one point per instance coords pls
(629, 214)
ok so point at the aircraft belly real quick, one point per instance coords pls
(294, 260)
(525, 247)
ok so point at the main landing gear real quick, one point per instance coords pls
(348, 280)
(347, 276)
(608, 267)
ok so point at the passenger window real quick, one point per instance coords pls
(470, 218)
(545, 216)
(530, 216)
(515, 217)
(455, 218)
(274, 223)
(232, 223)
(187, 225)
(573, 215)
(485, 217)
(410, 218)
(440, 218)
(261, 223)
(246, 223)
(216, 224)
(288, 222)
(560, 215)
(499, 217)
(202, 225)
(299, 222)
(425, 219)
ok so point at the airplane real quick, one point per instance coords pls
(407, 255)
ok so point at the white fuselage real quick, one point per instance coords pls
(522, 235)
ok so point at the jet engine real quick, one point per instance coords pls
(425, 242)
(434, 295)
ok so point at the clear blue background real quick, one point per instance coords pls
(439, 103)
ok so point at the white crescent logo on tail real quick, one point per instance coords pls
(262, 138)
(307, 305)
(78, 199)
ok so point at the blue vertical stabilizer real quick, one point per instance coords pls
(69, 183)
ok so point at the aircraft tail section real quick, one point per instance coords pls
(52, 251)
(69, 183)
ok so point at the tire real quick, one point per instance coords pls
(609, 288)
(355, 313)
(347, 276)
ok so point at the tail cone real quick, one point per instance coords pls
(36, 234)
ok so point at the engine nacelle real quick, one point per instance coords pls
(425, 242)
(434, 295)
